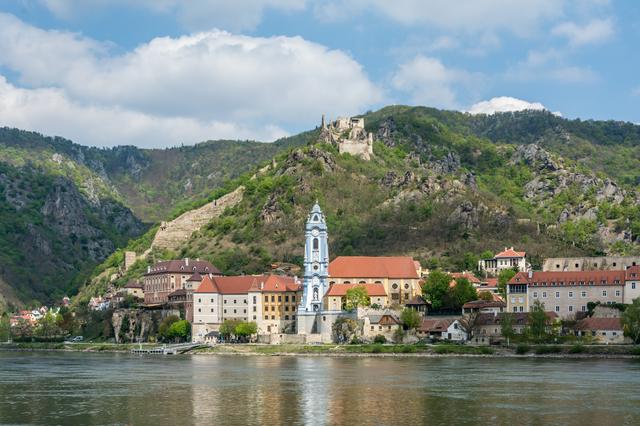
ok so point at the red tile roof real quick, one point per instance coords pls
(195, 277)
(373, 267)
(600, 324)
(468, 275)
(563, 278)
(437, 325)
(510, 252)
(341, 289)
(242, 284)
(491, 282)
(273, 283)
(632, 273)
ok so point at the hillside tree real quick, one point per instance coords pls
(631, 321)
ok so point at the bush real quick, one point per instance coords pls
(376, 349)
(541, 350)
(635, 351)
(408, 349)
(522, 349)
(379, 339)
(577, 349)
(484, 350)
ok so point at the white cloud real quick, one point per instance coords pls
(208, 77)
(595, 31)
(504, 104)
(467, 16)
(430, 83)
(550, 64)
(192, 14)
(50, 111)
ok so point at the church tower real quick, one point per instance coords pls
(316, 262)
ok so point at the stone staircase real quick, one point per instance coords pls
(172, 235)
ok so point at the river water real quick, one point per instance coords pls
(82, 388)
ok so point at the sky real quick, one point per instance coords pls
(158, 73)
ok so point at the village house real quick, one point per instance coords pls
(385, 323)
(165, 277)
(398, 275)
(602, 330)
(135, 289)
(441, 329)
(418, 304)
(488, 326)
(484, 307)
(506, 259)
(475, 281)
(566, 293)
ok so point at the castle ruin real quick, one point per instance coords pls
(349, 135)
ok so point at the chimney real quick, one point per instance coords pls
(530, 274)
(261, 285)
(148, 269)
(186, 261)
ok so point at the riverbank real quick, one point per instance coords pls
(373, 350)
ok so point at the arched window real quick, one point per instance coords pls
(315, 244)
(315, 218)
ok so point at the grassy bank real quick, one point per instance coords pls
(78, 347)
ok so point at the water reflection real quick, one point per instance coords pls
(105, 388)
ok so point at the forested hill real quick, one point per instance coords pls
(443, 186)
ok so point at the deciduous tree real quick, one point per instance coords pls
(357, 296)
(631, 321)
(503, 278)
(436, 289)
(506, 326)
(410, 318)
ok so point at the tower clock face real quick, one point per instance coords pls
(315, 232)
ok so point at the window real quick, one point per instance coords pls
(570, 308)
(583, 308)
(286, 298)
(544, 294)
(315, 244)
(254, 317)
(604, 293)
(557, 294)
(225, 311)
(394, 286)
(286, 317)
(279, 298)
(583, 294)
(570, 294)
(255, 299)
(244, 311)
(273, 308)
(513, 300)
(617, 293)
(266, 298)
(633, 286)
(535, 294)
(254, 309)
(286, 308)
(557, 308)
(515, 309)
(372, 328)
(406, 286)
(225, 301)
(521, 308)
(234, 301)
(199, 301)
(266, 317)
(199, 310)
(273, 298)
(273, 317)
(521, 300)
(293, 298)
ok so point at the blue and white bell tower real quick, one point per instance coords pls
(316, 262)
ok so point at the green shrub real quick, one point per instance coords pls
(635, 351)
(485, 350)
(522, 349)
(577, 349)
(408, 349)
(376, 349)
(379, 339)
(541, 350)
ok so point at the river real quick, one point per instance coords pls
(101, 388)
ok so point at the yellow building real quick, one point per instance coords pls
(399, 275)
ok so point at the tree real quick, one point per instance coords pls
(485, 295)
(245, 330)
(22, 330)
(410, 318)
(228, 328)
(47, 326)
(537, 327)
(631, 321)
(506, 326)
(5, 327)
(165, 325)
(469, 323)
(179, 330)
(357, 296)
(124, 329)
(436, 289)
(462, 292)
(503, 278)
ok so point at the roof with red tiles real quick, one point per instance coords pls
(632, 273)
(568, 278)
(510, 252)
(490, 282)
(242, 284)
(373, 290)
(373, 267)
(207, 286)
(481, 304)
(435, 325)
(600, 324)
(468, 275)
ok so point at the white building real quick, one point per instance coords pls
(506, 259)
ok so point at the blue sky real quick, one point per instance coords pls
(165, 72)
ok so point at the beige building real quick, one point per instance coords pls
(565, 293)
(506, 259)
(590, 263)
(165, 277)
(489, 326)
(602, 330)
(135, 289)
(335, 298)
(268, 300)
(399, 276)
(385, 324)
